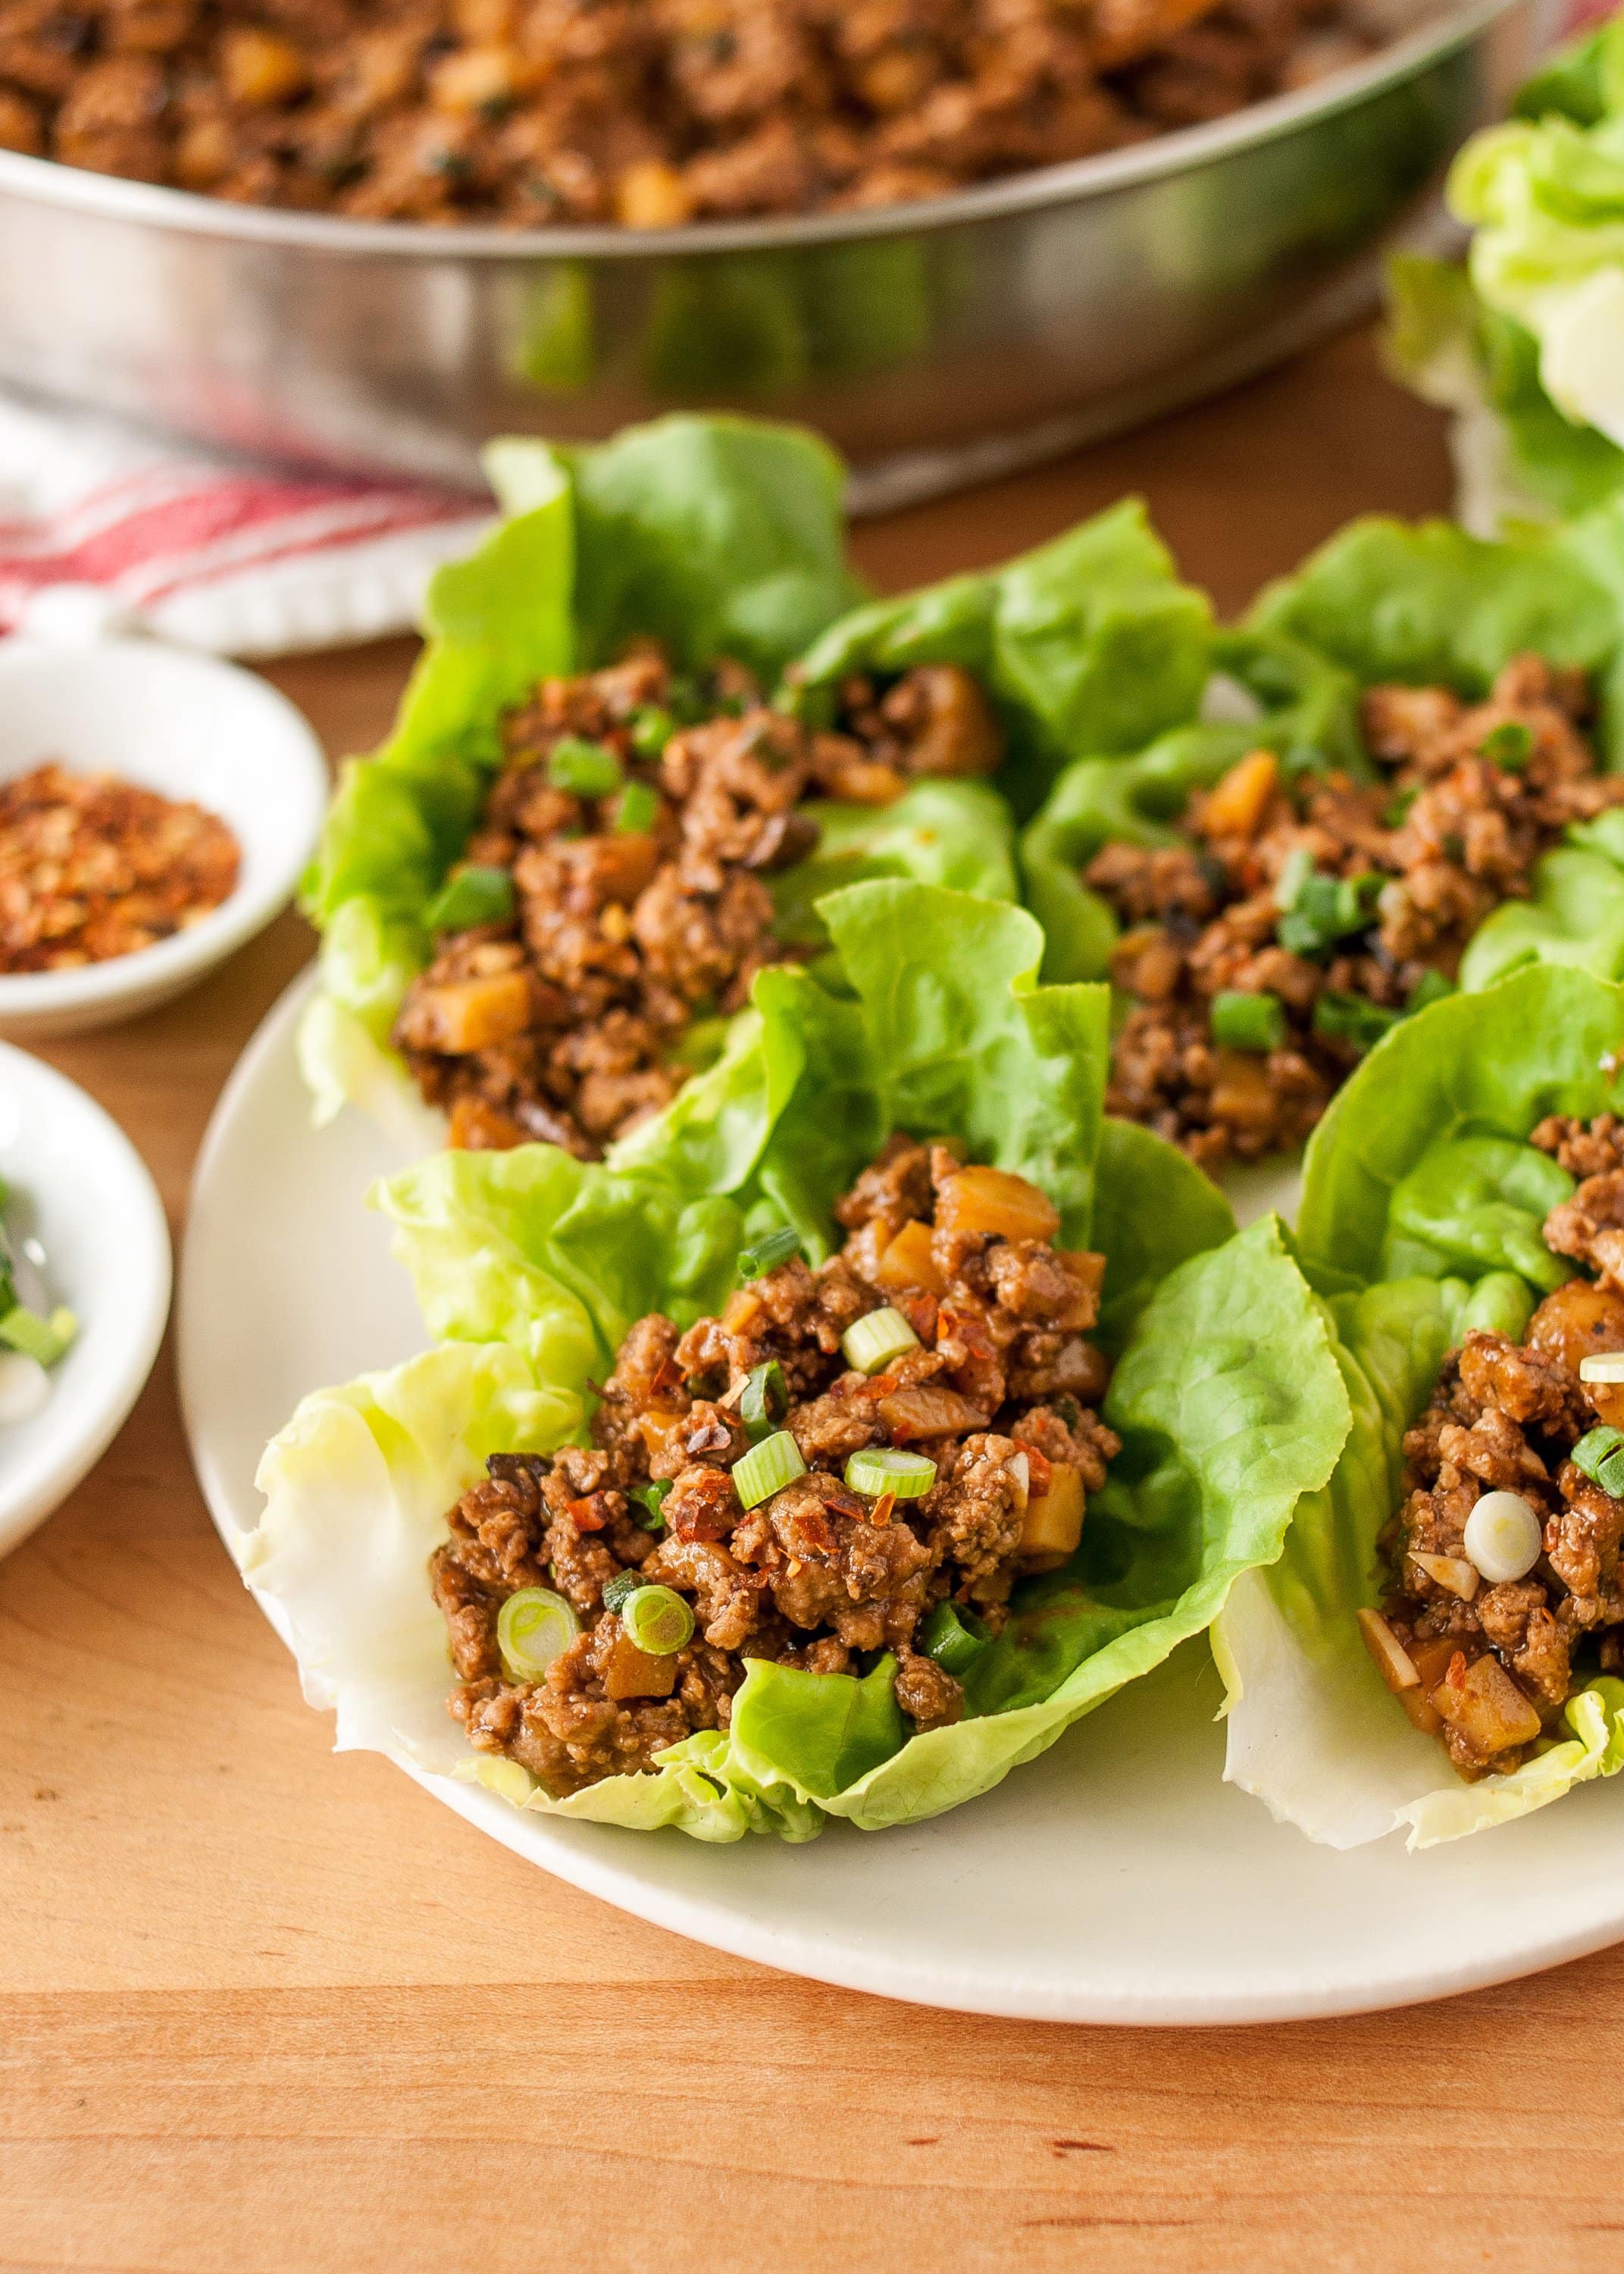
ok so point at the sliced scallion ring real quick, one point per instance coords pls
(656, 1619)
(765, 1254)
(765, 1401)
(533, 1628)
(585, 769)
(1601, 1366)
(870, 1344)
(767, 1468)
(950, 1637)
(888, 1469)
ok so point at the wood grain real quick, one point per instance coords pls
(265, 2011)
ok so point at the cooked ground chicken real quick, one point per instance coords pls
(1495, 1663)
(94, 867)
(1472, 795)
(998, 1390)
(564, 1019)
(646, 112)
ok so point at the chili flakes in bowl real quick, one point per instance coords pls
(94, 867)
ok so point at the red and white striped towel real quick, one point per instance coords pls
(103, 529)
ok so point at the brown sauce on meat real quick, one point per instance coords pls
(647, 112)
(1506, 1417)
(999, 1391)
(568, 1021)
(1449, 833)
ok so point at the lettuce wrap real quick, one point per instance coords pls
(1427, 604)
(1525, 343)
(531, 1266)
(1421, 1214)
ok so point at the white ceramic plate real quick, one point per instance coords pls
(188, 726)
(80, 1189)
(1116, 1878)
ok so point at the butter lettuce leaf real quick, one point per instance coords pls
(1090, 644)
(1421, 1210)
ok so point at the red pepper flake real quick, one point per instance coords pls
(882, 1508)
(1040, 1473)
(1456, 1676)
(584, 1515)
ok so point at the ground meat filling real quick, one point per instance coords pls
(997, 1389)
(1488, 1664)
(1472, 795)
(646, 112)
(636, 854)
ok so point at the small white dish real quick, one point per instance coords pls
(1117, 1878)
(80, 1187)
(188, 726)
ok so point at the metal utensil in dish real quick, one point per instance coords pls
(933, 343)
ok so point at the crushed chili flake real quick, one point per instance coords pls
(92, 867)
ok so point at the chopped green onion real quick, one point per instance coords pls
(41, 1339)
(1398, 812)
(1431, 988)
(652, 729)
(1318, 910)
(765, 1400)
(888, 1469)
(871, 1343)
(623, 1584)
(1510, 744)
(1342, 1018)
(1247, 1022)
(473, 896)
(948, 1637)
(1600, 1456)
(767, 1468)
(532, 1629)
(766, 1253)
(651, 1499)
(585, 769)
(656, 1619)
(684, 700)
(636, 811)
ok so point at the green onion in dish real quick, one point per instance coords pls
(636, 810)
(766, 1254)
(622, 1585)
(473, 896)
(765, 1400)
(954, 1638)
(651, 1499)
(43, 1340)
(1510, 744)
(656, 1619)
(1600, 1456)
(583, 768)
(653, 728)
(889, 1469)
(533, 1628)
(1247, 1022)
(767, 1468)
(871, 1343)
(1354, 1019)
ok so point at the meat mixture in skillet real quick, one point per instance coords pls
(1305, 915)
(645, 112)
(615, 892)
(856, 1459)
(1505, 1593)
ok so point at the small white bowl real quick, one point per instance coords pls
(188, 726)
(80, 1188)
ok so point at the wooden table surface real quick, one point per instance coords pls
(267, 2010)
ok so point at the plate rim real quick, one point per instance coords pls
(570, 1852)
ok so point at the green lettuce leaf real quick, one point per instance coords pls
(1472, 1067)
(1088, 645)
(532, 1266)
(1421, 1206)
(1299, 704)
